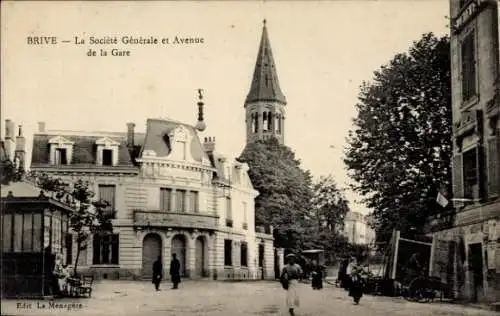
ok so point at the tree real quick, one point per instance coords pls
(400, 148)
(89, 216)
(284, 190)
(329, 207)
(329, 204)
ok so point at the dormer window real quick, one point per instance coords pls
(179, 140)
(61, 150)
(107, 152)
(61, 157)
(107, 157)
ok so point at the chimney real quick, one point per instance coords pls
(20, 148)
(201, 126)
(10, 143)
(130, 134)
(9, 129)
(209, 145)
(41, 127)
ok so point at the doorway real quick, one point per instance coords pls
(179, 248)
(151, 249)
(200, 257)
(476, 266)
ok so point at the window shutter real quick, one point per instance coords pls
(458, 184)
(493, 168)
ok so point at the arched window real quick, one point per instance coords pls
(265, 121)
(280, 121)
(256, 122)
(270, 121)
(277, 123)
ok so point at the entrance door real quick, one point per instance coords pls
(476, 262)
(179, 248)
(199, 257)
(151, 249)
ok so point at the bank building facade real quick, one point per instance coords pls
(170, 192)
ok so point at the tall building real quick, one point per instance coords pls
(168, 192)
(466, 248)
(265, 103)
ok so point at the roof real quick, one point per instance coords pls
(157, 138)
(84, 148)
(265, 85)
(19, 189)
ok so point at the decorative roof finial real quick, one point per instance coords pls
(264, 22)
(200, 125)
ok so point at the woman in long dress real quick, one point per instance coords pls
(317, 276)
(292, 272)
(356, 282)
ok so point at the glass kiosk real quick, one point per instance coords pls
(34, 231)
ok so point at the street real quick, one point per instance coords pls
(225, 298)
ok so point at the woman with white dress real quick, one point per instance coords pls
(290, 276)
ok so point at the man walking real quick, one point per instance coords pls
(175, 268)
(157, 273)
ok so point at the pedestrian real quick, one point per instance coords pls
(292, 272)
(317, 276)
(175, 268)
(157, 273)
(356, 281)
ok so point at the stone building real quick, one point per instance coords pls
(170, 192)
(357, 230)
(466, 252)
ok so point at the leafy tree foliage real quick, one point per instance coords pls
(9, 172)
(285, 190)
(400, 148)
(328, 210)
(329, 204)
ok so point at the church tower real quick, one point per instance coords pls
(265, 103)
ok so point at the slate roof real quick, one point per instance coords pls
(265, 84)
(84, 149)
(157, 138)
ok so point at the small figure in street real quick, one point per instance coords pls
(157, 273)
(175, 268)
(292, 272)
(356, 282)
(342, 275)
(317, 276)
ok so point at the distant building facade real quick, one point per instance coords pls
(170, 192)
(357, 229)
(466, 251)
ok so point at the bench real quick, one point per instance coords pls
(81, 287)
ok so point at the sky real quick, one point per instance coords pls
(323, 51)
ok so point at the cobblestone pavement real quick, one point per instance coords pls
(226, 298)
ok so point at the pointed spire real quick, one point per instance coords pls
(265, 84)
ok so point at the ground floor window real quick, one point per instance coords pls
(244, 254)
(105, 249)
(228, 252)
